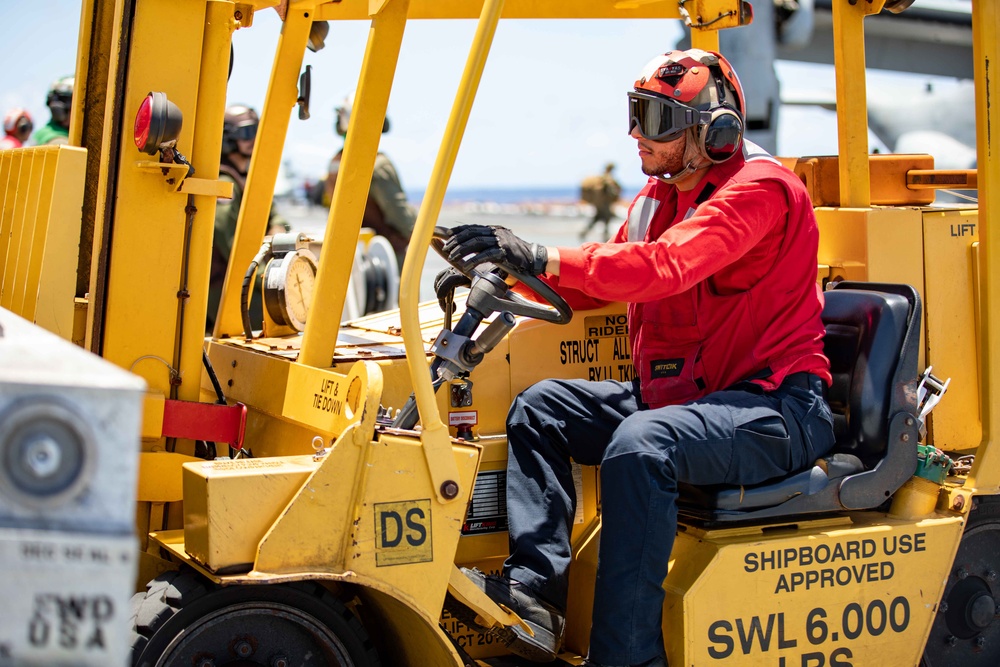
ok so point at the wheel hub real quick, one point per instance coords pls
(966, 631)
(981, 611)
(255, 634)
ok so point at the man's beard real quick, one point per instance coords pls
(671, 164)
(667, 163)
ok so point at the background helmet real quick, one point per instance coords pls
(239, 124)
(18, 123)
(59, 100)
(690, 89)
(343, 117)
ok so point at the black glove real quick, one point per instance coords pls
(446, 282)
(492, 243)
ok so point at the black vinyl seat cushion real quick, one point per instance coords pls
(867, 332)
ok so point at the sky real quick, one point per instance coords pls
(551, 107)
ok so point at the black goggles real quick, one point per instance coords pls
(245, 132)
(658, 118)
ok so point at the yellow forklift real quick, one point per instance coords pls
(308, 491)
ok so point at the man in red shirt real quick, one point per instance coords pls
(717, 261)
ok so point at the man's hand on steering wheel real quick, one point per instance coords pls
(493, 243)
(445, 284)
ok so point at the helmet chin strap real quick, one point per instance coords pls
(693, 158)
(688, 169)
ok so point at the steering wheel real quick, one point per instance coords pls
(555, 309)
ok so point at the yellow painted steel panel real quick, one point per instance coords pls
(10, 166)
(842, 246)
(594, 346)
(399, 474)
(31, 227)
(40, 231)
(249, 376)
(812, 596)
(951, 326)
(161, 476)
(60, 209)
(883, 244)
(80, 309)
(229, 505)
(355, 477)
(324, 400)
(33, 245)
(152, 416)
(896, 246)
(18, 194)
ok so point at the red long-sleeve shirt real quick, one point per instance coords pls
(720, 281)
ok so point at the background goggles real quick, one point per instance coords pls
(245, 132)
(658, 118)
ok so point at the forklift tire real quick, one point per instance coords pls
(966, 630)
(182, 619)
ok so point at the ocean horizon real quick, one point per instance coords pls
(554, 194)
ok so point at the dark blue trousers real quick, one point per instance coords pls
(739, 436)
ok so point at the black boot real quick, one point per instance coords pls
(545, 620)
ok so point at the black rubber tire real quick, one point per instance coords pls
(953, 640)
(183, 619)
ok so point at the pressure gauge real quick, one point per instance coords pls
(288, 288)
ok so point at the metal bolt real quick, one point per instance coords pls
(243, 648)
(280, 661)
(980, 642)
(238, 15)
(449, 489)
(958, 503)
(909, 421)
(206, 662)
(43, 455)
(943, 607)
(991, 575)
(951, 640)
(961, 573)
(905, 437)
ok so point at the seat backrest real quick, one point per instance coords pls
(865, 334)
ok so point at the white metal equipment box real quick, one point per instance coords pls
(69, 449)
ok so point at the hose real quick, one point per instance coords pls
(262, 255)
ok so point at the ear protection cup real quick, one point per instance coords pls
(722, 137)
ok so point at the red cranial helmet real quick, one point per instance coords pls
(690, 89)
(18, 123)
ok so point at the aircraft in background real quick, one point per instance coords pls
(906, 117)
(932, 37)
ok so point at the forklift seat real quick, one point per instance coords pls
(872, 336)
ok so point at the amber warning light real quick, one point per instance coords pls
(157, 123)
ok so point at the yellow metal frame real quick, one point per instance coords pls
(852, 109)
(282, 91)
(985, 474)
(715, 14)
